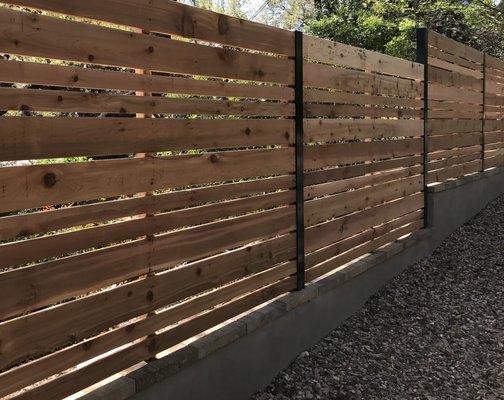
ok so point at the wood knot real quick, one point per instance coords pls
(199, 271)
(91, 57)
(260, 73)
(50, 179)
(287, 135)
(150, 296)
(24, 107)
(60, 98)
(75, 78)
(248, 131)
(151, 345)
(187, 24)
(223, 24)
(214, 158)
(23, 233)
(150, 49)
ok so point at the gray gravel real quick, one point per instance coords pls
(436, 332)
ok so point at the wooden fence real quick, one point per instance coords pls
(363, 155)
(493, 123)
(464, 134)
(161, 197)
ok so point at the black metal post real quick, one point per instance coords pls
(422, 58)
(298, 92)
(483, 141)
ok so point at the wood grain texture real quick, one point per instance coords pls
(40, 36)
(352, 152)
(91, 78)
(336, 129)
(64, 183)
(65, 101)
(166, 16)
(40, 137)
(325, 76)
(24, 225)
(29, 335)
(335, 53)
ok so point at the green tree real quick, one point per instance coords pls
(389, 25)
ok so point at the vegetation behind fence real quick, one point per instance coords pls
(151, 189)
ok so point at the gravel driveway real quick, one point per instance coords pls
(436, 332)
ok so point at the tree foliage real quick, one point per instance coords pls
(388, 26)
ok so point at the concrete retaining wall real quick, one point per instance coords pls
(245, 355)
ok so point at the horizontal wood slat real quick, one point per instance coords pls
(326, 233)
(457, 94)
(57, 244)
(344, 153)
(92, 314)
(148, 172)
(64, 101)
(329, 52)
(175, 18)
(39, 137)
(325, 129)
(63, 183)
(22, 225)
(326, 208)
(360, 249)
(456, 48)
(78, 379)
(79, 77)
(325, 76)
(40, 36)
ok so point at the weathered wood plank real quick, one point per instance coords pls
(449, 93)
(456, 79)
(40, 36)
(453, 59)
(345, 153)
(358, 182)
(454, 140)
(454, 171)
(40, 137)
(325, 76)
(362, 249)
(31, 334)
(323, 129)
(23, 225)
(31, 250)
(41, 185)
(326, 51)
(166, 16)
(339, 110)
(456, 48)
(340, 228)
(446, 126)
(66, 101)
(93, 78)
(331, 96)
(346, 172)
(326, 208)
(75, 380)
